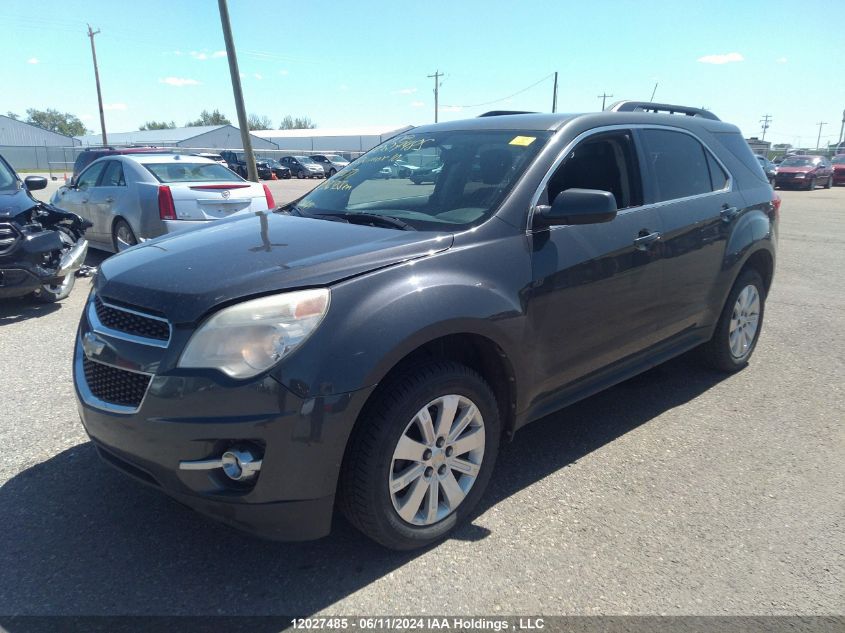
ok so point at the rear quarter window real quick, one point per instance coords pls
(737, 146)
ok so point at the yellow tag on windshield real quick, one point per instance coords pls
(523, 140)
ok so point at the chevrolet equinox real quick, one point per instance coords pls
(368, 346)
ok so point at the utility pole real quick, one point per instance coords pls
(819, 139)
(91, 35)
(653, 92)
(246, 140)
(842, 129)
(603, 96)
(437, 75)
(554, 95)
(765, 121)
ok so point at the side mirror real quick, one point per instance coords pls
(579, 206)
(34, 183)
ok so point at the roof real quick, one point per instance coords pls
(172, 135)
(373, 130)
(17, 132)
(145, 159)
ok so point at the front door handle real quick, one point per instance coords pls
(84, 199)
(646, 239)
(728, 213)
(109, 199)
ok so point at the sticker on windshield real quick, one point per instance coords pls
(524, 141)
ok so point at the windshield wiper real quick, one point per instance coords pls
(372, 218)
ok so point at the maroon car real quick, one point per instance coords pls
(804, 172)
(838, 169)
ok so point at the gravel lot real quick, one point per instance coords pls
(678, 492)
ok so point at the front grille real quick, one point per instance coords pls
(123, 321)
(113, 385)
(8, 237)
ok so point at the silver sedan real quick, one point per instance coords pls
(136, 197)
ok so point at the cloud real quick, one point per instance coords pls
(450, 108)
(406, 91)
(219, 54)
(199, 55)
(258, 76)
(32, 60)
(178, 81)
(283, 71)
(417, 104)
(781, 60)
(727, 58)
(115, 106)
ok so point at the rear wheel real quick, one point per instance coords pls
(739, 324)
(829, 183)
(300, 175)
(332, 172)
(421, 455)
(122, 236)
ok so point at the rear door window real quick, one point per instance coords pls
(679, 164)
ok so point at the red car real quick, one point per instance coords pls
(838, 169)
(804, 172)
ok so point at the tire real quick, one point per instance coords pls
(811, 185)
(122, 236)
(829, 183)
(55, 292)
(300, 175)
(719, 352)
(332, 172)
(388, 422)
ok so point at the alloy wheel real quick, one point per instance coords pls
(745, 320)
(437, 460)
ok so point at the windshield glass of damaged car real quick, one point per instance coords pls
(478, 170)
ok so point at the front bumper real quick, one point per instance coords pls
(197, 416)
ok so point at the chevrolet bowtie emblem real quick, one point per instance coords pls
(92, 345)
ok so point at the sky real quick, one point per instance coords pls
(366, 63)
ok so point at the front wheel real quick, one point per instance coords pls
(421, 455)
(811, 185)
(739, 324)
(829, 183)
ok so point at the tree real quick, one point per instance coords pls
(209, 118)
(157, 125)
(12, 115)
(55, 121)
(298, 123)
(255, 122)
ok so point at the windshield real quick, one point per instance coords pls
(838, 160)
(478, 169)
(191, 172)
(797, 162)
(8, 180)
(304, 160)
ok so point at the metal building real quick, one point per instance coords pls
(17, 133)
(199, 137)
(359, 139)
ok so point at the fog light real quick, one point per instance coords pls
(240, 464)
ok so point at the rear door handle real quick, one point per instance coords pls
(728, 213)
(646, 239)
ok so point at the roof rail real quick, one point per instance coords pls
(648, 106)
(504, 112)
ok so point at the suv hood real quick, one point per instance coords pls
(14, 202)
(183, 276)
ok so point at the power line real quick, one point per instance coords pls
(476, 105)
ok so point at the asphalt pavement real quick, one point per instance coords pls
(681, 491)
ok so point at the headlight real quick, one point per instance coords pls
(245, 339)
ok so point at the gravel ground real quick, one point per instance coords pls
(678, 492)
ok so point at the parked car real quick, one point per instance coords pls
(265, 171)
(41, 246)
(769, 168)
(217, 158)
(804, 172)
(88, 156)
(331, 163)
(235, 161)
(280, 171)
(129, 199)
(838, 163)
(399, 169)
(426, 174)
(303, 167)
(369, 352)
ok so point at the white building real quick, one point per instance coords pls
(18, 133)
(359, 139)
(199, 137)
